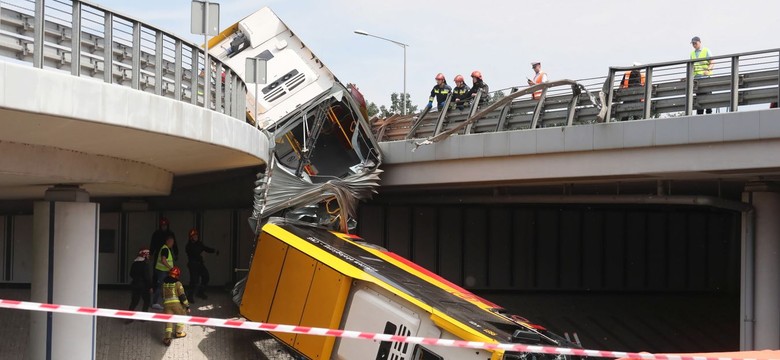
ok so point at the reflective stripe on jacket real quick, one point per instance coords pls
(172, 293)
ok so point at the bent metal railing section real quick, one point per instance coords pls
(744, 81)
(116, 49)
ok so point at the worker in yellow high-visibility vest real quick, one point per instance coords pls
(162, 267)
(701, 69)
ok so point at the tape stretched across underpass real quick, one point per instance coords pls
(304, 330)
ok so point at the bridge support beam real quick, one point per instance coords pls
(761, 293)
(65, 247)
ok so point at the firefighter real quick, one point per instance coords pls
(539, 77)
(477, 84)
(460, 89)
(175, 303)
(199, 274)
(439, 92)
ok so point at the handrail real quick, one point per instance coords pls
(126, 51)
(670, 89)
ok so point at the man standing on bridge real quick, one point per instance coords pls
(701, 69)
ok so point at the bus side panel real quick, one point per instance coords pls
(263, 278)
(324, 308)
(295, 281)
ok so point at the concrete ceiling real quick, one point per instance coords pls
(42, 150)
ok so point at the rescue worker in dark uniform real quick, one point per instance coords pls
(141, 282)
(458, 91)
(477, 85)
(439, 92)
(174, 303)
(199, 274)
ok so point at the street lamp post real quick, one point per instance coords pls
(403, 96)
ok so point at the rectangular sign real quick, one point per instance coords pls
(256, 71)
(198, 14)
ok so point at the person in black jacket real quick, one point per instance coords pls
(477, 85)
(199, 274)
(141, 282)
(439, 92)
(458, 92)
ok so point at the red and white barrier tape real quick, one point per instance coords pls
(304, 330)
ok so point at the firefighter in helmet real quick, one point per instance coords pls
(174, 303)
(458, 91)
(439, 92)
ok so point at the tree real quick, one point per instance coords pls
(497, 96)
(372, 109)
(396, 106)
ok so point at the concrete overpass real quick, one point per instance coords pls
(126, 117)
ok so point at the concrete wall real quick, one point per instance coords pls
(123, 233)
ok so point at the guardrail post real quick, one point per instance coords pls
(158, 62)
(218, 85)
(571, 110)
(195, 76)
(648, 109)
(75, 39)
(689, 88)
(610, 90)
(38, 33)
(108, 47)
(538, 109)
(177, 71)
(734, 83)
(778, 79)
(227, 93)
(136, 70)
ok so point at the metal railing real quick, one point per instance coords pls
(116, 49)
(670, 89)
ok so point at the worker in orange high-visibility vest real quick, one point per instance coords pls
(539, 77)
(633, 78)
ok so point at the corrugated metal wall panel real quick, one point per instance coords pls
(424, 238)
(568, 247)
(450, 233)
(475, 244)
(593, 250)
(499, 248)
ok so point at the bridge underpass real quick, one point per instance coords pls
(559, 204)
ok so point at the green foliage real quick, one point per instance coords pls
(372, 109)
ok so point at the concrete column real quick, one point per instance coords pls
(765, 296)
(65, 243)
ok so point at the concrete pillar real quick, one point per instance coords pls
(765, 296)
(65, 243)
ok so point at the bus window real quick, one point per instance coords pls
(421, 353)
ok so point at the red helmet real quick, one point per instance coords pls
(476, 74)
(164, 221)
(440, 76)
(174, 272)
(459, 78)
(143, 252)
(193, 232)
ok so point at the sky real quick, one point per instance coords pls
(573, 39)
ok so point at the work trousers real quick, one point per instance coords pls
(199, 279)
(173, 308)
(138, 294)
